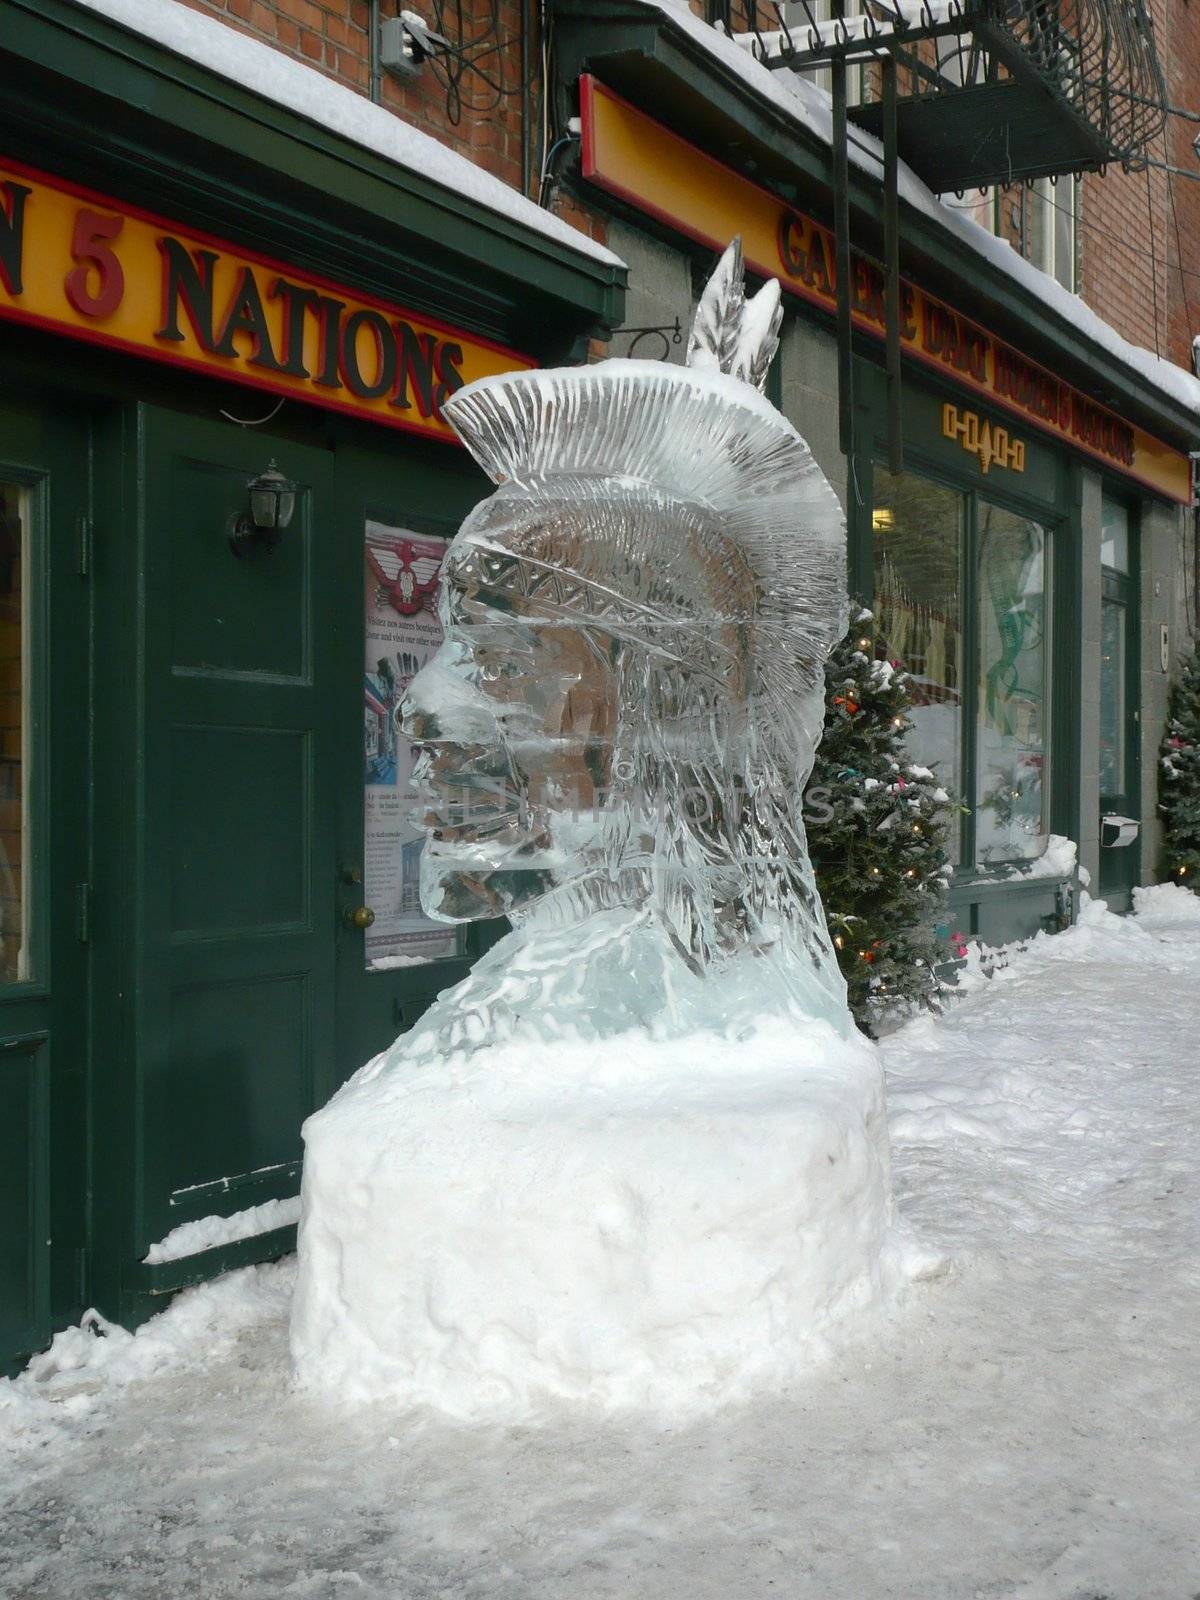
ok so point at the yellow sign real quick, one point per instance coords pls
(991, 444)
(97, 269)
(633, 157)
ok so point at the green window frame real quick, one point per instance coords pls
(1019, 680)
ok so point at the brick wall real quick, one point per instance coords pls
(332, 36)
(1154, 303)
(479, 120)
(1130, 218)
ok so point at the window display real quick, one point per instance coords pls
(918, 585)
(980, 692)
(1011, 716)
(402, 633)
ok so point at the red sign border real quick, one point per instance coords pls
(589, 86)
(97, 336)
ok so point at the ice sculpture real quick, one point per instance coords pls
(532, 1193)
(625, 708)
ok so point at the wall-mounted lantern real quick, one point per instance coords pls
(272, 502)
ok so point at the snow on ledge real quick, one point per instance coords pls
(811, 108)
(275, 76)
(1057, 860)
(190, 1238)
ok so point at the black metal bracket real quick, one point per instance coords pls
(673, 329)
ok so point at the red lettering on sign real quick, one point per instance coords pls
(90, 248)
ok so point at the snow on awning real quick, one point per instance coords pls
(268, 72)
(810, 108)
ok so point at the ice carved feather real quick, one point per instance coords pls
(762, 318)
(730, 333)
(718, 320)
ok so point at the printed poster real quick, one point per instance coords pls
(402, 633)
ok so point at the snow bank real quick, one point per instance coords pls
(634, 1224)
(269, 72)
(1166, 905)
(93, 1361)
(189, 1238)
(1098, 935)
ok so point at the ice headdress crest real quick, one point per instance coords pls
(701, 439)
(730, 333)
(664, 542)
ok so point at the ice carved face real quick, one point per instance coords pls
(562, 649)
(514, 719)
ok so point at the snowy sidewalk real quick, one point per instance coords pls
(1028, 1425)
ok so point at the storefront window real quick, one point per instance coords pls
(985, 716)
(14, 943)
(402, 633)
(1114, 536)
(1011, 718)
(918, 528)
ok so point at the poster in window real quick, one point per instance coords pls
(402, 633)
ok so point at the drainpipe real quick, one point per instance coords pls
(373, 24)
(526, 95)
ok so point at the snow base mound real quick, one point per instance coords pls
(637, 1224)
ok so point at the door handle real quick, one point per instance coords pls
(360, 917)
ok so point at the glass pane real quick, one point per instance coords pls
(1112, 698)
(1011, 730)
(1062, 201)
(799, 15)
(1114, 537)
(1038, 233)
(402, 632)
(918, 583)
(14, 828)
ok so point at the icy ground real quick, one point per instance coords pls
(1027, 1425)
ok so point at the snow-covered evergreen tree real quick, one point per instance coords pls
(877, 833)
(1179, 780)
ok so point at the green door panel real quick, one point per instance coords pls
(24, 1197)
(263, 800)
(44, 794)
(236, 1025)
(427, 490)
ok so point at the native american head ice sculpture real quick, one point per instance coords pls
(624, 710)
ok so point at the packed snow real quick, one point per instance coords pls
(1058, 860)
(269, 72)
(1023, 1426)
(619, 1223)
(206, 1233)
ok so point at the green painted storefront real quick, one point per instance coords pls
(186, 782)
(188, 981)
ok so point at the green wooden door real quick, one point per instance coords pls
(238, 868)
(44, 787)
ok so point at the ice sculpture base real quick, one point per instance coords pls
(634, 1224)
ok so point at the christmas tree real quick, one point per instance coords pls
(877, 833)
(1179, 781)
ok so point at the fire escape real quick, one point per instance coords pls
(970, 94)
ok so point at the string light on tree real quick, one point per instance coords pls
(1179, 777)
(876, 831)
